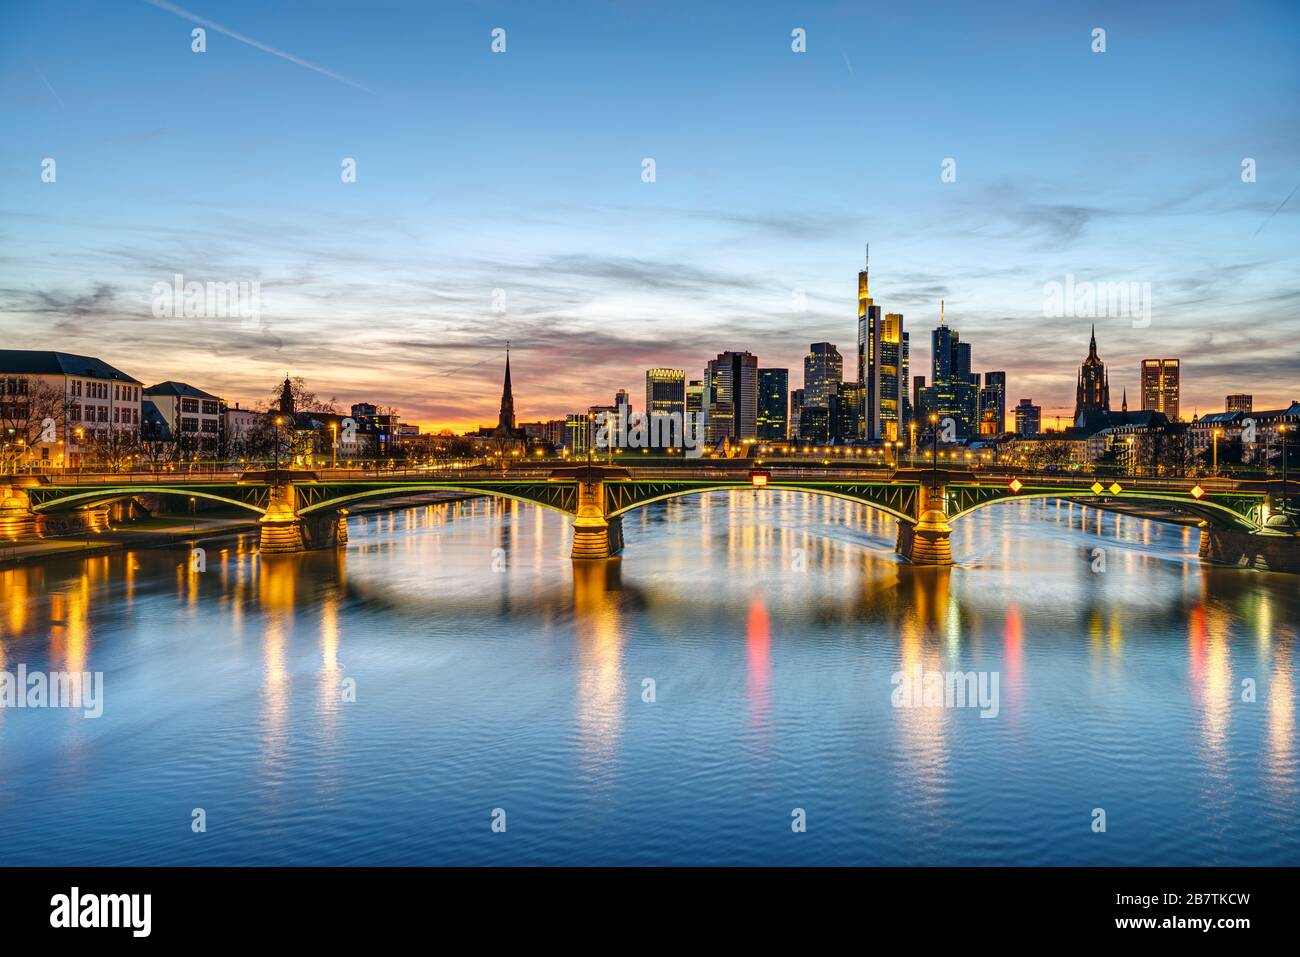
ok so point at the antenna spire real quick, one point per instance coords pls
(941, 312)
(866, 263)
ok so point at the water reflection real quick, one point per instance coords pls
(777, 621)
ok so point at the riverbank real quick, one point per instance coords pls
(162, 531)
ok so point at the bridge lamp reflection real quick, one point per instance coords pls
(758, 477)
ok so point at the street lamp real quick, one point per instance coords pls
(1215, 434)
(934, 455)
(279, 421)
(1281, 430)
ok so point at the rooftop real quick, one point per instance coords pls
(38, 362)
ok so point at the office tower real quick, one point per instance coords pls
(796, 412)
(621, 398)
(920, 413)
(815, 424)
(665, 391)
(904, 383)
(890, 378)
(869, 343)
(731, 383)
(1092, 394)
(773, 404)
(577, 432)
(1240, 402)
(993, 403)
(823, 369)
(954, 392)
(845, 418)
(1160, 387)
(1028, 418)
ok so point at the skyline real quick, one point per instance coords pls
(224, 167)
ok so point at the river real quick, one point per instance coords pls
(727, 692)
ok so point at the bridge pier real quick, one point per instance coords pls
(17, 520)
(283, 531)
(595, 534)
(1276, 552)
(927, 542)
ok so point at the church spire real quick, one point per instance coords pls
(506, 420)
(1092, 346)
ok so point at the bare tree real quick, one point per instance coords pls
(32, 412)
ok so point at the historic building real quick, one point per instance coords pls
(1092, 395)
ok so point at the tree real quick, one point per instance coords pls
(32, 412)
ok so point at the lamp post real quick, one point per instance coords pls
(279, 421)
(1281, 430)
(934, 455)
(334, 451)
(1215, 435)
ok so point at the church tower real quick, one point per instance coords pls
(506, 419)
(1092, 393)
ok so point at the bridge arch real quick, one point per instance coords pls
(739, 487)
(342, 501)
(1209, 511)
(107, 496)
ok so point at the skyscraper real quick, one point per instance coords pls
(665, 394)
(773, 404)
(954, 390)
(1160, 387)
(869, 343)
(993, 403)
(891, 381)
(731, 386)
(823, 369)
(1092, 393)
(665, 391)
(796, 413)
(1028, 418)
(1240, 402)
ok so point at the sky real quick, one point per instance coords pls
(503, 196)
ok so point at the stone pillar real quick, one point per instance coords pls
(927, 542)
(594, 535)
(324, 529)
(281, 528)
(16, 517)
(1271, 550)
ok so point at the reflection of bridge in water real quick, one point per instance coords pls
(1241, 522)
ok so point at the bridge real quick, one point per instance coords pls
(1241, 522)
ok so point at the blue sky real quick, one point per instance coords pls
(521, 171)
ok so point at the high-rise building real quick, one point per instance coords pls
(665, 391)
(1160, 387)
(773, 404)
(823, 370)
(954, 392)
(1240, 402)
(993, 403)
(1029, 418)
(621, 399)
(905, 381)
(665, 394)
(796, 412)
(845, 418)
(891, 381)
(920, 413)
(731, 385)
(1092, 394)
(869, 341)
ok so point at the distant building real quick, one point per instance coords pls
(1029, 419)
(954, 389)
(1239, 402)
(731, 388)
(796, 412)
(1160, 386)
(239, 427)
(891, 399)
(1092, 392)
(845, 419)
(195, 419)
(58, 408)
(993, 404)
(773, 404)
(665, 394)
(823, 370)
